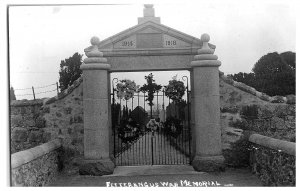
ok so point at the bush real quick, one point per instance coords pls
(239, 155)
(249, 112)
(231, 109)
(240, 124)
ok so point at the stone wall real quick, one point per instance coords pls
(27, 125)
(233, 98)
(273, 160)
(64, 119)
(34, 122)
(37, 166)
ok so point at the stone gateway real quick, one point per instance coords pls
(151, 46)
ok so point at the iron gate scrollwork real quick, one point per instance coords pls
(164, 139)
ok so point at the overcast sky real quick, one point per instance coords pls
(41, 36)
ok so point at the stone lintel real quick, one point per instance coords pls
(205, 63)
(209, 163)
(97, 167)
(95, 66)
(150, 63)
(149, 52)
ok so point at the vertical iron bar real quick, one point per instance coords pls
(145, 132)
(183, 143)
(163, 132)
(147, 148)
(157, 151)
(189, 121)
(176, 138)
(142, 148)
(163, 105)
(139, 148)
(145, 108)
(33, 92)
(165, 147)
(139, 129)
(131, 104)
(121, 112)
(120, 140)
(127, 152)
(113, 122)
(152, 147)
(132, 145)
(169, 137)
(139, 120)
(113, 114)
(126, 110)
(157, 110)
(161, 150)
(170, 108)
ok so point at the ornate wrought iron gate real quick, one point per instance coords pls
(160, 136)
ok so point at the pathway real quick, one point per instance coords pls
(140, 152)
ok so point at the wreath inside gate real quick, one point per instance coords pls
(126, 89)
(128, 133)
(173, 126)
(175, 89)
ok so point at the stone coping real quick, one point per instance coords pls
(23, 157)
(64, 93)
(22, 103)
(276, 144)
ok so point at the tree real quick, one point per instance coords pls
(246, 78)
(12, 94)
(273, 74)
(151, 87)
(289, 58)
(69, 71)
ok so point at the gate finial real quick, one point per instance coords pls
(95, 59)
(205, 56)
(95, 40)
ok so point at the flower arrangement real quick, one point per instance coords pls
(173, 126)
(126, 89)
(175, 89)
(151, 87)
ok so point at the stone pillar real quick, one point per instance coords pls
(97, 159)
(208, 149)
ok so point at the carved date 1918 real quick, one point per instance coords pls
(170, 42)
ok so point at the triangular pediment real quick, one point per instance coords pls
(150, 35)
(150, 29)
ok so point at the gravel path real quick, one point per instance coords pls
(140, 152)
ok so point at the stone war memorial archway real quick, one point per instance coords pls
(151, 46)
